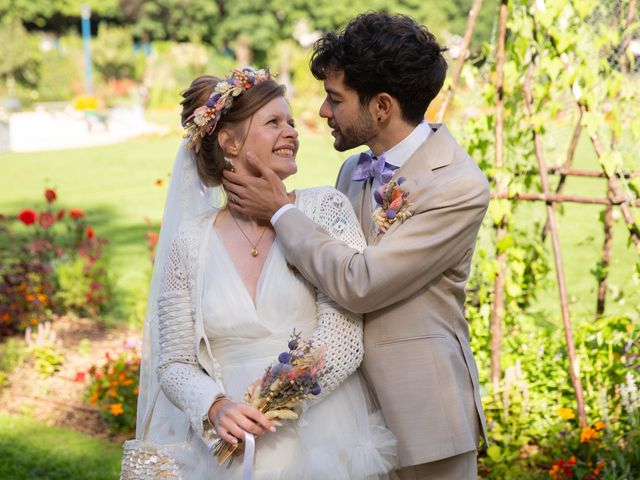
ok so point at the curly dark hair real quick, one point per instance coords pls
(379, 52)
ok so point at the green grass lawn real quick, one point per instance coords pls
(115, 184)
(31, 451)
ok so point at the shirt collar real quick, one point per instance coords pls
(401, 152)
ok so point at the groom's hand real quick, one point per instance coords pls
(260, 196)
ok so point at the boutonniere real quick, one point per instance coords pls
(392, 205)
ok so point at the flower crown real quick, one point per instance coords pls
(204, 119)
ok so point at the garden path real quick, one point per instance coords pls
(59, 400)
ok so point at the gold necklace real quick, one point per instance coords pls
(254, 246)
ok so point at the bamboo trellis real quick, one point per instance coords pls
(615, 196)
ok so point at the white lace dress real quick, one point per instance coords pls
(340, 435)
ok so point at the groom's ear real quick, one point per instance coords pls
(228, 142)
(382, 106)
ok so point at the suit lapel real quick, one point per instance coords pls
(366, 212)
(436, 152)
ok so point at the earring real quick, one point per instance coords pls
(228, 164)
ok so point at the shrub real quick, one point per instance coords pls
(113, 389)
(53, 261)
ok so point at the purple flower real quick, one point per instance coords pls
(284, 357)
(401, 180)
(378, 197)
(251, 80)
(293, 344)
(286, 368)
(276, 369)
(563, 432)
(210, 103)
(315, 389)
(391, 214)
(306, 377)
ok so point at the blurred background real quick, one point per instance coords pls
(89, 126)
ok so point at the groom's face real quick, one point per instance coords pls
(351, 122)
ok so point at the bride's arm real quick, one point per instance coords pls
(338, 329)
(180, 375)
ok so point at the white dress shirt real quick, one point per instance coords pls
(396, 156)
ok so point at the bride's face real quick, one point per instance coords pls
(273, 138)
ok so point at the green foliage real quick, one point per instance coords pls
(526, 432)
(114, 390)
(113, 54)
(84, 287)
(33, 451)
(12, 354)
(47, 359)
(21, 65)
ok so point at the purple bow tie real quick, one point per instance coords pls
(373, 167)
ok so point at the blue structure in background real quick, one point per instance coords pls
(85, 12)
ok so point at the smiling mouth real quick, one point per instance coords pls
(284, 152)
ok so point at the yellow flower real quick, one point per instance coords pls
(116, 409)
(587, 434)
(599, 425)
(565, 413)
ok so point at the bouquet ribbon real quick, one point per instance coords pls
(249, 453)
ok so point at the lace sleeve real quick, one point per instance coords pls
(338, 329)
(180, 375)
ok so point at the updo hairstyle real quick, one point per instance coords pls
(210, 161)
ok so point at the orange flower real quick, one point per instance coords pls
(587, 434)
(116, 409)
(599, 467)
(159, 182)
(6, 317)
(599, 425)
(76, 213)
(112, 392)
(136, 391)
(94, 398)
(565, 413)
(128, 382)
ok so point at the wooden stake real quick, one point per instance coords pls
(451, 91)
(497, 309)
(557, 256)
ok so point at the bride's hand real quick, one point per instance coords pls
(231, 420)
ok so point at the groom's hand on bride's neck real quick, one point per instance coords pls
(257, 196)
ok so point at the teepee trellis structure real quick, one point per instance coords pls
(615, 196)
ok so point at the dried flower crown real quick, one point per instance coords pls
(204, 119)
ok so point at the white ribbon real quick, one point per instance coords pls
(249, 452)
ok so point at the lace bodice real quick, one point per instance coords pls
(188, 372)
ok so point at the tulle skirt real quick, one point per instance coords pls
(340, 436)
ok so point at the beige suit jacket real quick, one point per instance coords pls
(410, 283)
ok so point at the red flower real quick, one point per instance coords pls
(76, 213)
(46, 219)
(90, 233)
(27, 216)
(80, 376)
(50, 195)
(60, 214)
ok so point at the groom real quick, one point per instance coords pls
(380, 74)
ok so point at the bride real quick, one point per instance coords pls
(223, 303)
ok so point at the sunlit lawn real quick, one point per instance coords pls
(116, 185)
(31, 451)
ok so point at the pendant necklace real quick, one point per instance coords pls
(254, 246)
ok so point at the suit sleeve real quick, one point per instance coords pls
(435, 239)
